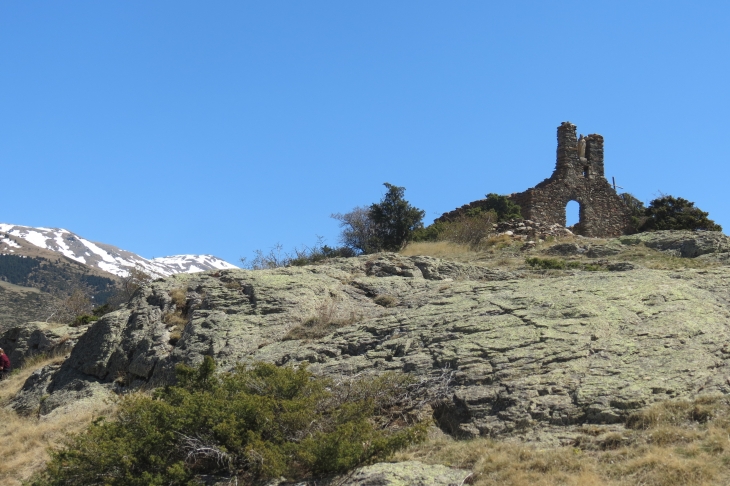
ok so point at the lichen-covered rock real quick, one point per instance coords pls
(407, 473)
(686, 244)
(565, 249)
(529, 355)
(23, 341)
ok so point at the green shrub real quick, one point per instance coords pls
(253, 423)
(503, 206)
(546, 263)
(83, 319)
(429, 233)
(670, 213)
(102, 310)
(306, 256)
(589, 267)
(319, 253)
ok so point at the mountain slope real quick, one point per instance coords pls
(32, 242)
(23, 304)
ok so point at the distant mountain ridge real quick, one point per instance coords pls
(32, 241)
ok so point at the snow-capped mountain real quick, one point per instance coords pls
(23, 240)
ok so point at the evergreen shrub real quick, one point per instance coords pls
(254, 423)
(546, 263)
(676, 213)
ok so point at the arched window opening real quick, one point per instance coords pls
(572, 213)
(585, 172)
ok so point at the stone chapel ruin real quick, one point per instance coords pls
(579, 177)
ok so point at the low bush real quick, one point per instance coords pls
(676, 213)
(83, 319)
(502, 206)
(254, 423)
(102, 310)
(319, 253)
(276, 257)
(469, 229)
(546, 263)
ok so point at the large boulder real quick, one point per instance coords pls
(407, 473)
(685, 244)
(24, 341)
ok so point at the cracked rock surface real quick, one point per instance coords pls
(532, 353)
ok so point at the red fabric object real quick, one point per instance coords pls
(5, 362)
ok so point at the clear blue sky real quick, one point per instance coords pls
(168, 127)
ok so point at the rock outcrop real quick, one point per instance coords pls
(532, 354)
(24, 341)
(407, 473)
(685, 244)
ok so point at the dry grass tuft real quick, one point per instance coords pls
(439, 249)
(385, 300)
(657, 260)
(672, 443)
(176, 320)
(25, 440)
(233, 285)
(329, 316)
(179, 297)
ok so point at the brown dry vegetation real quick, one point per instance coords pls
(25, 440)
(657, 260)
(506, 253)
(176, 320)
(670, 443)
(329, 316)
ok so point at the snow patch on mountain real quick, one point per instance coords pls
(100, 255)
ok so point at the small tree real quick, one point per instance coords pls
(66, 310)
(135, 278)
(395, 220)
(358, 229)
(676, 213)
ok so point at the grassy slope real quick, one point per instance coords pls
(670, 443)
(26, 439)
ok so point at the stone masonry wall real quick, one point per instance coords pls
(578, 176)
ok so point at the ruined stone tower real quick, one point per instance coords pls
(579, 177)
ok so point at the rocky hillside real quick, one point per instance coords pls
(529, 353)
